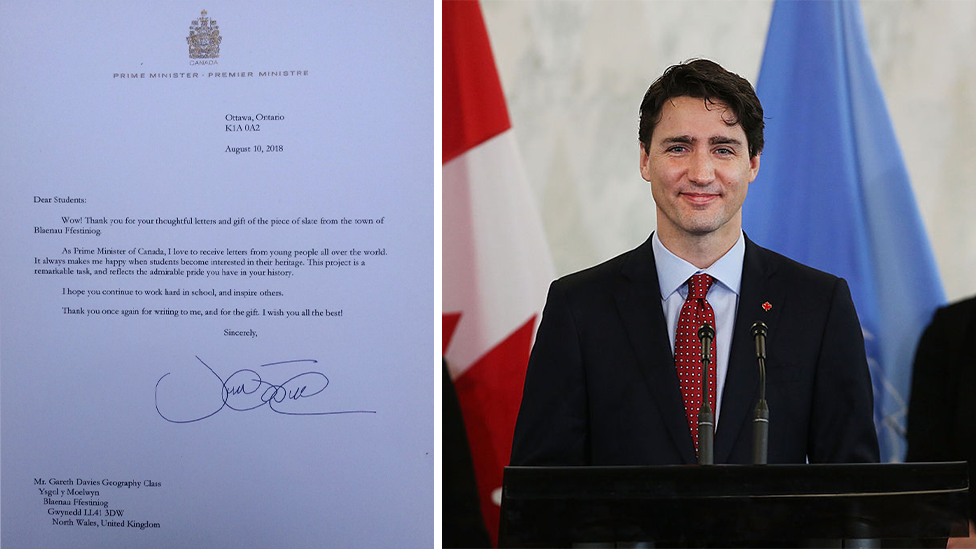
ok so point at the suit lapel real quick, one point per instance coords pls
(759, 287)
(638, 298)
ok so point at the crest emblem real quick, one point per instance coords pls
(204, 39)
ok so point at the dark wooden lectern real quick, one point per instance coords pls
(734, 504)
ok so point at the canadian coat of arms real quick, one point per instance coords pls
(204, 38)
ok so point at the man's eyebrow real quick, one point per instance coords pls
(722, 140)
(678, 139)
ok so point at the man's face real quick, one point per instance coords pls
(699, 169)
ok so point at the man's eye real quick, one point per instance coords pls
(677, 148)
(724, 151)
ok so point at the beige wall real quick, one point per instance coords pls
(574, 73)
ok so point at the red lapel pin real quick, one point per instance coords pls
(766, 306)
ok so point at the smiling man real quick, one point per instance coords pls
(615, 373)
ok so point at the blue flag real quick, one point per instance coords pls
(833, 191)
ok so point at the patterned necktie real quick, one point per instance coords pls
(687, 355)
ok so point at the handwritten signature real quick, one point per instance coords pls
(245, 390)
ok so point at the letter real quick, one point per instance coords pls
(162, 315)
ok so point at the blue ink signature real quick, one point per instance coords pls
(246, 390)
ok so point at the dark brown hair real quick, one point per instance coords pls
(708, 81)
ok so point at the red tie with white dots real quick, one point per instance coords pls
(687, 354)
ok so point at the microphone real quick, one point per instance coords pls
(759, 332)
(706, 334)
(706, 420)
(760, 422)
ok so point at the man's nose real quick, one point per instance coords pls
(701, 170)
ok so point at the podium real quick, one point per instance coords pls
(732, 504)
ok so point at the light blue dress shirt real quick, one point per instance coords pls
(673, 274)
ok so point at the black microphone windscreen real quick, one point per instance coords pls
(759, 328)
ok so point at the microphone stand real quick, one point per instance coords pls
(706, 421)
(760, 422)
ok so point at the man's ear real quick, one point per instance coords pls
(753, 168)
(644, 168)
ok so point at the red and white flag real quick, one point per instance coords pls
(496, 262)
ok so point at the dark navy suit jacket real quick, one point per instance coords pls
(601, 386)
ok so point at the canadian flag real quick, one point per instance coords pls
(496, 263)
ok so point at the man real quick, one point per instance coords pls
(941, 424)
(604, 386)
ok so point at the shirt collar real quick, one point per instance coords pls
(673, 272)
